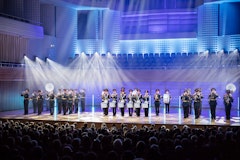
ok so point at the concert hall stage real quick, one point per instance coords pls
(95, 115)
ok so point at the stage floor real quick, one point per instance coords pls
(95, 115)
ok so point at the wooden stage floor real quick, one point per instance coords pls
(95, 115)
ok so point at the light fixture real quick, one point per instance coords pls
(236, 51)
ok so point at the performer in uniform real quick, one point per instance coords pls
(46, 100)
(70, 101)
(114, 97)
(137, 102)
(64, 101)
(157, 98)
(122, 101)
(82, 99)
(185, 103)
(105, 101)
(34, 101)
(40, 100)
(145, 103)
(25, 95)
(197, 98)
(166, 100)
(130, 102)
(59, 100)
(76, 97)
(228, 100)
(200, 90)
(212, 99)
(190, 101)
(51, 97)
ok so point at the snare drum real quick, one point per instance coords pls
(137, 105)
(129, 105)
(166, 98)
(145, 104)
(112, 104)
(103, 105)
(120, 105)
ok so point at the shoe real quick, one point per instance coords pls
(227, 121)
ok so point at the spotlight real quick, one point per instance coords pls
(205, 53)
(36, 58)
(108, 54)
(236, 51)
(221, 51)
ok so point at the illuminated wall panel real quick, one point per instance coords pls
(208, 27)
(89, 24)
(228, 20)
(208, 42)
(66, 32)
(208, 20)
(159, 46)
(234, 42)
(111, 31)
(159, 24)
(109, 41)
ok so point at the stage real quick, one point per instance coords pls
(95, 115)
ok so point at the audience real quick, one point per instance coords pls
(44, 141)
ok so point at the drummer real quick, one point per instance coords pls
(137, 102)
(113, 103)
(122, 101)
(105, 101)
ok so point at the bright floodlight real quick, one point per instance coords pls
(235, 51)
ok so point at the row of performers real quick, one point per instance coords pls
(187, 99)
(134, 100)
(67, 100)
